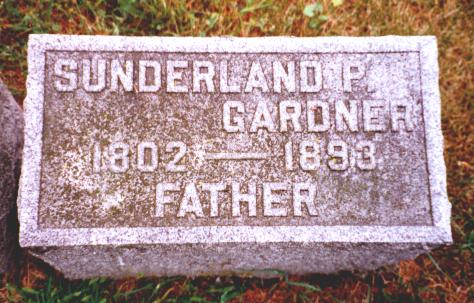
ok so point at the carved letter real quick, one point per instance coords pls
(401, 110)
(173, 76)
(214, 189)
(280, 75)
(373, 115)
(98, 68)
(250, 198)
(270, 199)
(299, 199)
(347, 116)
(162, 198)
(312, 107)
(156, 83)
(224, 85)
(190, 202)
(256, 79)
(65, 75)
(233, 124)
(305, 86)
(352, 71)
(286, 116)
(118, 73)
(199, 76)
(262, 118)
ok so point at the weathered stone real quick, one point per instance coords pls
(196, 156)
(11, 143)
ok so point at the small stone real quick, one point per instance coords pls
(205, 156)
(11, 144)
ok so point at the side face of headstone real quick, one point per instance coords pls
(213, 155)
(11, 143)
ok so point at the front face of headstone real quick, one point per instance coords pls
(302, 140)
(162, 140)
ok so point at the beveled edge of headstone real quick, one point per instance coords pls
(31, 235)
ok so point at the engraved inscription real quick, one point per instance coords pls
(196, 139)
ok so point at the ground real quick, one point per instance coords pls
(445, 275)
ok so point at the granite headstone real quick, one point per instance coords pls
(199, 156)
(11, 143)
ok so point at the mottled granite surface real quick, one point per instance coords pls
(194, 151)
(11, 144)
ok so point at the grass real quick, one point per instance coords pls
(445, 275)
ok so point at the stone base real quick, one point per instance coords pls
(261, 260)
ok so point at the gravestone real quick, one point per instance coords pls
(11, 142)
(200, 156)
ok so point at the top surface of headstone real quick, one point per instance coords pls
(179, 140)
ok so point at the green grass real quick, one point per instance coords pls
(445, 275)
(53, 288)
